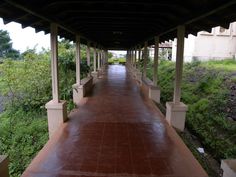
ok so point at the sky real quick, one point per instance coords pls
(28, 38)
(25, 38)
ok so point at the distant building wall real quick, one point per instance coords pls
(219, 44)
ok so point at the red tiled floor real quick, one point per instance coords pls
(115, 132)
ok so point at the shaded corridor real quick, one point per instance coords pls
(115, 132)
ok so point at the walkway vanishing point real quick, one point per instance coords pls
(115, 132)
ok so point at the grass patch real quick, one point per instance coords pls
(121, 61)
(226, 65)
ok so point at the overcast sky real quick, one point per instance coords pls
(28, 38)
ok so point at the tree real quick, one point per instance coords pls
(6, 50)
(110, 55)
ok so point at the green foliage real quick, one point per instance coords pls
(22, 135)
(6, 50)
(166, 80)
(112, 61)
(227, 64)
(27, 85)
(67, 68)
(110, 55)
(205, 91)
(150, 69)
(122, 61)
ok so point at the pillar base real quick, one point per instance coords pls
(154, 93)
(139, 77)
(94, 74)
(229, 167)
(100, 72)
(4, 166)
(78, 93)
(175, 115)
(81, 90)
(57, 115)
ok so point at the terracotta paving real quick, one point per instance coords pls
(115, 132)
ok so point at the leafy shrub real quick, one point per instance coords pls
(122, 61)
(205, 92)
(22, 135)
(112, 61)
(27, 85)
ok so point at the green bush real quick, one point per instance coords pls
(205, 91)
(27, 85)
(122, 61)
(22, 135)
(112, 61)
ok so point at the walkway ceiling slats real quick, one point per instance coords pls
(120, 24)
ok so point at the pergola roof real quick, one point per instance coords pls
(119, 24)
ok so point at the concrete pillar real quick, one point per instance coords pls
(139, 54)
(99, 59)
(95, 73)
(128, 59)
(106, 57)
(229, 167)
(154, 91)
(77, 88)
(102, 58)
(179, 63)
(145, 60)
(56, 109)
(94, 60)
(156, 57)
(88, 54)
(78, 59)
(135, 57)
(4, 162)
(131, 57)
(176, 110)
(54, 63)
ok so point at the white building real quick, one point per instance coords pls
(219, 44)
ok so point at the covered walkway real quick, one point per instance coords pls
(115, 132)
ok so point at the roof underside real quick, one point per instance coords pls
(119, 24)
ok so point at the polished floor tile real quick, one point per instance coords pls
(115, 132)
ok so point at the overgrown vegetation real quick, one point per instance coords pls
(206, 90)
(26, 83)
(22, 135)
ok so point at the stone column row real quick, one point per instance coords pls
(176, 110)
(100, 59)
(56, 108)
